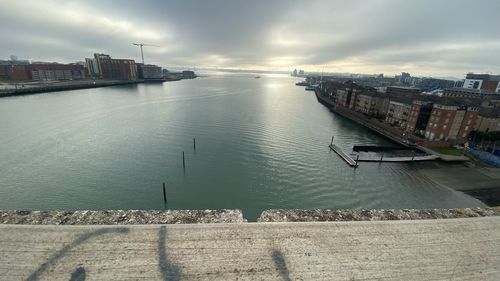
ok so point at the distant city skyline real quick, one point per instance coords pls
(426, 38)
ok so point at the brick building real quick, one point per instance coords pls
(420, 113)
(489, 117)
(406, 92)
(482, 82)
(104, 67)
(451, 122)
(55, 71)
(398, 113)
(372, 103)
(14, 72)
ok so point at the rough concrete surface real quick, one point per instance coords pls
(120, 217)
(451, 249)
(280, 215)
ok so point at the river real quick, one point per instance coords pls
(260, 144)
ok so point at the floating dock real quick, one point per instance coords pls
(351, 162)
(398, 159)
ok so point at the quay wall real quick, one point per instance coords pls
(65, 86)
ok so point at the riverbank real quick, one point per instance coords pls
(362, 120)
(56, 86)
(485, 187)
(394, 134)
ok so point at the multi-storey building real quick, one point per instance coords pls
(372, 103)
(347, 95)
(55, 71)
(105, 67)
(42, 72)
(407, 92)
(14, 72)
(420, 113)
(489, 116)
(482, 81)
(451, 122)
(398, 113)
(469, 93)
(149, 71)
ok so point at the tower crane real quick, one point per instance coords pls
(142, 44)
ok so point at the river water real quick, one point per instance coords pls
(260, 144)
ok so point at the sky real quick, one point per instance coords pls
(443, 38)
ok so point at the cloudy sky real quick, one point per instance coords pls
(424, 37)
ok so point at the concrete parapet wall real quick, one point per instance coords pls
(114, 217)
(120, 217)
(373, 215)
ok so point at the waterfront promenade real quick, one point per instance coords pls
(441, 249)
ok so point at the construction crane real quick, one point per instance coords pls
(142, 44)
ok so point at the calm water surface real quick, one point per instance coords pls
(260, 144)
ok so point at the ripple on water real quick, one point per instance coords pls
(258, 146)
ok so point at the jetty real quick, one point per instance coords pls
(380, 156)
(368, 158)
(351, 162)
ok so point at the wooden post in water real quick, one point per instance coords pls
(164, 194)
(332, 141)
(183, 161)
(194, 144)
(382, 157)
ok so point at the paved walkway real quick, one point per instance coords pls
(450, 249)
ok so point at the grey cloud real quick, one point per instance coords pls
(449, 37)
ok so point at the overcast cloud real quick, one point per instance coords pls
(424, 37)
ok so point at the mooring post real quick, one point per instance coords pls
(332, 141)
(382, 157)
(183, 161)
(194, 144)
(164, 194)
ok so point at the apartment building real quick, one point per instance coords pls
(451, 122)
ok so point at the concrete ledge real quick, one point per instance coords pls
(451, 249)
(280, 215)
(128, 217)
(114, 217)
